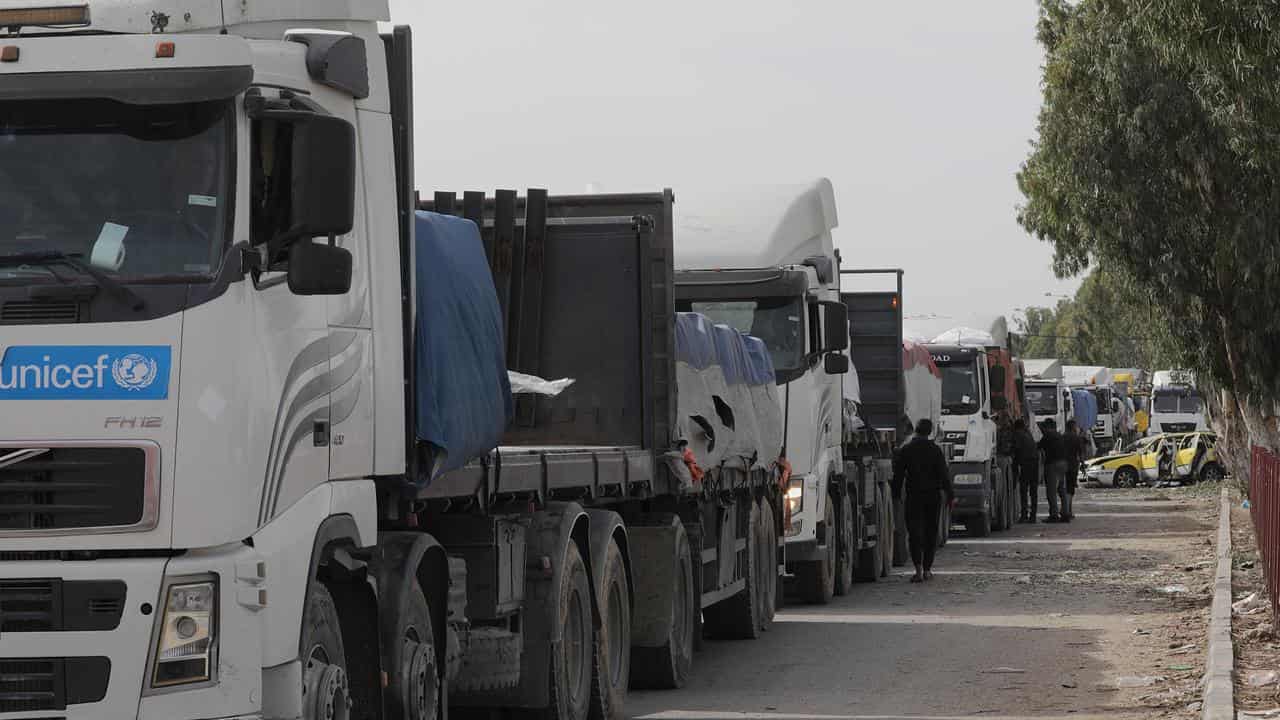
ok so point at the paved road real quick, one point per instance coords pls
(1039, 621)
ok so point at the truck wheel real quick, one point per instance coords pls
(888, 533)
(817, 579)
(667, 667)
(611, 674)
(871, 560)
(767, 544)
(979, 526)
(571, 666)
(845, 550)
(413, 692)
(325, 693)
(738, 617)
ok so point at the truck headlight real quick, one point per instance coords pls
(795, 496)
(967, 479)
(187, 641)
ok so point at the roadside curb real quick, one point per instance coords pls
(1219, 682)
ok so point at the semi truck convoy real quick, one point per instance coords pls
(765, 263)
(979, 380)
(259, 456)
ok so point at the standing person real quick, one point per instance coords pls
(1055, 466)
(921, 477)
(1027, 462)
(1075, 447)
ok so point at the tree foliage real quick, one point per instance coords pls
(1158, 160)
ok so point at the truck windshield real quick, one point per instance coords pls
(1175, 401)
(959, 388)
(778, 322)
(142, 192)
(1044, 400)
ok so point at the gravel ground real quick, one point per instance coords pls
(1252, 624)
(1103, 617)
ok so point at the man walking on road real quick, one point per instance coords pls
(920, 478)
(1075, 447)
(1027, 462)
(1055, 466)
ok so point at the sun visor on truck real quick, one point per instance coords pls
(463, 394)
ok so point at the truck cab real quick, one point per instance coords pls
(979, 477)
(1176, 405)
(1050, 400)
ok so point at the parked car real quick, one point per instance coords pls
(1195, 459)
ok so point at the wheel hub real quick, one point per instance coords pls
(421, 689)
(324, 692)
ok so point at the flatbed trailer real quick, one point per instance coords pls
(585, 285)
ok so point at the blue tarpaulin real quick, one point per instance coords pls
(693, 340)
(463, 393)
(1086, 408)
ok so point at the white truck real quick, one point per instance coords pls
(1111, 411)
(252, 396)
(765, 263)
(1047, 392)
(1176, 404)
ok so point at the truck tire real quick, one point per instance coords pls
(871, 560)
(888, 533)
(611, 670)
(767, 545)
(570, 690)
(738, 617)
(848, 559)
(667, 667)
(325, 692)
(413, 689)
(817, 579)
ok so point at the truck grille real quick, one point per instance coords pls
(36, 684)
(39, 312)
(54, 605)
(75, 487)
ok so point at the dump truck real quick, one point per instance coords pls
(261, 457)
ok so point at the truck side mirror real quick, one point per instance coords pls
(324, 177)
(835, 364)
(316, 269)
(835, 326)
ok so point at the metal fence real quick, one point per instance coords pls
(1264, 505)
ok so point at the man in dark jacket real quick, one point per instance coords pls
(1027, 462)
(1055, 466)
(921, 477)
(1075, 447)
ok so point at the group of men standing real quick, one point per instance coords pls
(1062, 454)
(922, 480)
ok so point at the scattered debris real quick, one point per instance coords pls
(1272, 713)
(1258, 634)
(1069, 685)
(1004, 671)
(1251, 604)
(1262, 678)
(1140, 631)
(1181, 668)
(1023, 580)
(1137, 681)
(1171, 589)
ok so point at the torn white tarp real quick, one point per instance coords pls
(965, 336)
(522, 384)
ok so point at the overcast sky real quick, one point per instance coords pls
(919, 112)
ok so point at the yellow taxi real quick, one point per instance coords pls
(1195, 459)
(1127, 467)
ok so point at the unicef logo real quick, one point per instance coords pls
(134, 371)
